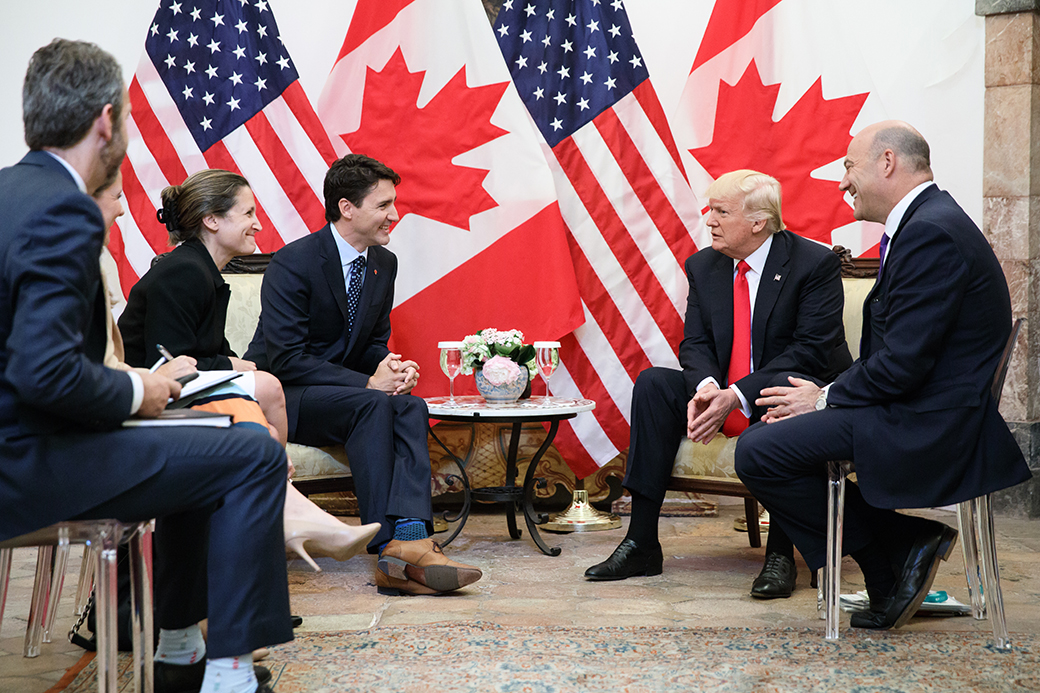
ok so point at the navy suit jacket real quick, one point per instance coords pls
(797, 322)
(302, 333)
(934, 327)
(52, 341)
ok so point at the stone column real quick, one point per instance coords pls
(1011, 213)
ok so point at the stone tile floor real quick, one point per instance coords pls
(707, 573)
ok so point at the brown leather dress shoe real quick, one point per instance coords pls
(410, 565)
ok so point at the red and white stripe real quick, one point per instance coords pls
(284, 152)
(633, 221)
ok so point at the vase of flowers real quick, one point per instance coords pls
(501, 362)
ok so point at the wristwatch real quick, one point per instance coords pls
(821, 401)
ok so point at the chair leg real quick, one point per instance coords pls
(991, 574)
(38, 607)
(86, 579)
(754, 529)
(61, 561)
(106, 599)
(966, 523)
(831, 582)
(5, 578)
(141, 606)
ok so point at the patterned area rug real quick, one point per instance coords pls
(488, 657)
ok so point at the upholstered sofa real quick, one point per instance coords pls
(698, 468)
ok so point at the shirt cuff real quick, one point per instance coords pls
(135, 379)
(704, 382)
(745, 408)
(826, 391)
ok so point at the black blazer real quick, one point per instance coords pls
(181, 303)
(934, 327)
(797, 324)
(302, 333)
(52, 341)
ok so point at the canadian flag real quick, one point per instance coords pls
(782, 85)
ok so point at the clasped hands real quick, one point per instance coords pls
(709, 407)
(394, 376)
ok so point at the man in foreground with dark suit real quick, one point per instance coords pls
(914, 412)
(323, 330)
(216, 494)
(795, 327)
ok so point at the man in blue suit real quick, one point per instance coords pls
(914, 413)
(217, 494)
(323, 330)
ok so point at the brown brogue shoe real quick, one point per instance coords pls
(423, 562)
(399, 588)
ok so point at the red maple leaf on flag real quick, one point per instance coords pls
(420, 143)
(813, 133)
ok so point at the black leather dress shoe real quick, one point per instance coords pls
(933, 544)
(776, 579)
(173, 678)
(296, 621)
(629, 559)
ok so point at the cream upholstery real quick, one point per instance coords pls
(243, 313)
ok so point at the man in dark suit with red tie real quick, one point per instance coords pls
(729, 353)
(914, 412)
(323, 330)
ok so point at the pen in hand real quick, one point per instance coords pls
(165, 356)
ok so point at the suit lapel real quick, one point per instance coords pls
(332, 267)
(878, 289)
(721, 286)
(369, 290)
(774, 275)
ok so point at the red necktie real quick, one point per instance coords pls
(740, 354)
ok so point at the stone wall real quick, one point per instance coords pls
(1011, 212)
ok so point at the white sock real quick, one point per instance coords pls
(230, 675)
(181, 647)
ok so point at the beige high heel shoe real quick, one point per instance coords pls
(340, 542)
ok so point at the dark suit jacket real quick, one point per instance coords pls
(934, 327)
(797, 324)
(181, 303)
(52, 341)
(302, 334)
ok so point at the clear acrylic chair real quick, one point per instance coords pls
(975, 520)
(101, 538)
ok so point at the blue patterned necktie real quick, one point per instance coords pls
(357, 272)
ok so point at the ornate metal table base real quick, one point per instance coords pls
(515, 498)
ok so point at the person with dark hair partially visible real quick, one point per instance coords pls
(914, 413)
(763, 302)
(216, 494)
(323, 330)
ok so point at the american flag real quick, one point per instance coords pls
(216, 88)
(632, 217)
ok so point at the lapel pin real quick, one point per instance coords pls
(776, 278)
(375, 271)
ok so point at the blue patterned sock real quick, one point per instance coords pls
(409, 529)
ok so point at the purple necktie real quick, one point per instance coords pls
(881, 254)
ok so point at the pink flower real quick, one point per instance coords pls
(498, 370)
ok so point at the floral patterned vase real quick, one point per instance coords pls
(501, 394)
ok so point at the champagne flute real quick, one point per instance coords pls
(547, 358)
(451, 365)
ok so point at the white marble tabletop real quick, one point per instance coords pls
(537, 407)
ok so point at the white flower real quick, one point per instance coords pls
(498, 370)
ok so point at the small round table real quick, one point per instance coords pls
(551, 410)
